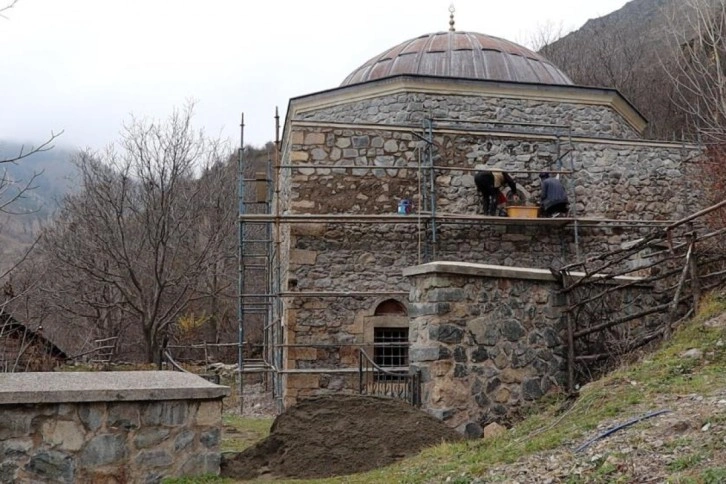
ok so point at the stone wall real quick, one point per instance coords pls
(618, 180)
(486, 339)
(412, 108)
(108, 427)
(627, 180)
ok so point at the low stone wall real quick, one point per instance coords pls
(488, 339)
(485, 338)
(113, 427)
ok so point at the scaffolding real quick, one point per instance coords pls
(265, 255)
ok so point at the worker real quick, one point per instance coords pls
(553, 199)
(489, 183)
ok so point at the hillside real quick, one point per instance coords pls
(632, 50)
(54, 178)
(677, 392)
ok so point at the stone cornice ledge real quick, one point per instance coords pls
(105, 386)
(492, 271)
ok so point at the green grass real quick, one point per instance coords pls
(242, 432)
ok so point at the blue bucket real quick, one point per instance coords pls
(404, 206)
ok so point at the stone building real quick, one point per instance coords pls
(414, 123)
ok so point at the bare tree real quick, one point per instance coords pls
(700, 66)
(134, 228)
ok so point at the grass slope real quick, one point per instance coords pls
(545, 439)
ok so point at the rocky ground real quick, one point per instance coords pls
(689, 437)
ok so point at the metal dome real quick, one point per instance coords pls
(467, 55)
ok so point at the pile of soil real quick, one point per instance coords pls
(338, 435)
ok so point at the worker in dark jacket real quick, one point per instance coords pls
(488, 183)
(554, 197)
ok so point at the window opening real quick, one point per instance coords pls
(390, 349)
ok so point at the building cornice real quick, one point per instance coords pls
(467, 87)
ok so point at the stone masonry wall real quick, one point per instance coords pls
(486, 339)
(630, 180)
(413, 108)
(109, 442)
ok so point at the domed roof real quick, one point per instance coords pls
(460, 54)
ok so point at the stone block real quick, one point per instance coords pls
(302, 205)
(471, 430)
(446, 295)
(123, 415)
(297, 137)
(343, 142)
(210, 438)
(8, 472)
(183, 440)
(309, 229)
(296, 156)
(170, 413)
(441, 413)
(104, 449)
(430, 353)
(11, 448)
(484, 331)
(510, 375)
(551, 337)
(446, 334)
(501, 395)
(64, 434)
(302, 381)
(314, 139)
(153, 459)
(52, 466)
(531, 389)
(479, 354)
(15, 423)
(441, 368)
(200, 464)
(512, 330)
(92, 415)
(303, 354)
(150, 437)
(303, 257)
(428, 309)
(361, 141)
(209, 413)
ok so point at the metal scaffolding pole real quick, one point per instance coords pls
(240, 255)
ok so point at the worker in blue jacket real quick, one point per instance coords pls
(553, 199)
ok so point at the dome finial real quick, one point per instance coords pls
(452, 9)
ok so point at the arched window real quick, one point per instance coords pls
(390, 334)
(390, 306)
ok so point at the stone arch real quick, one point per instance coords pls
(390, 307)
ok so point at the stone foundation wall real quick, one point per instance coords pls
(487, 339)
(114, 441)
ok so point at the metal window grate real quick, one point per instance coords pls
(390, 347)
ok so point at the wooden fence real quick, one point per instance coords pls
(622, 300)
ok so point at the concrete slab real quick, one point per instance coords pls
(499, 272)
(106, 386)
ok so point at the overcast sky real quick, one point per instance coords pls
(83, 66)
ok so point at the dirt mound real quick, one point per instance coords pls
(338, 435)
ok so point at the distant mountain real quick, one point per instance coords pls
(54, 179)
(54, 172)
(631, 49)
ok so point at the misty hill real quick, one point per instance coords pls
(53, 173)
